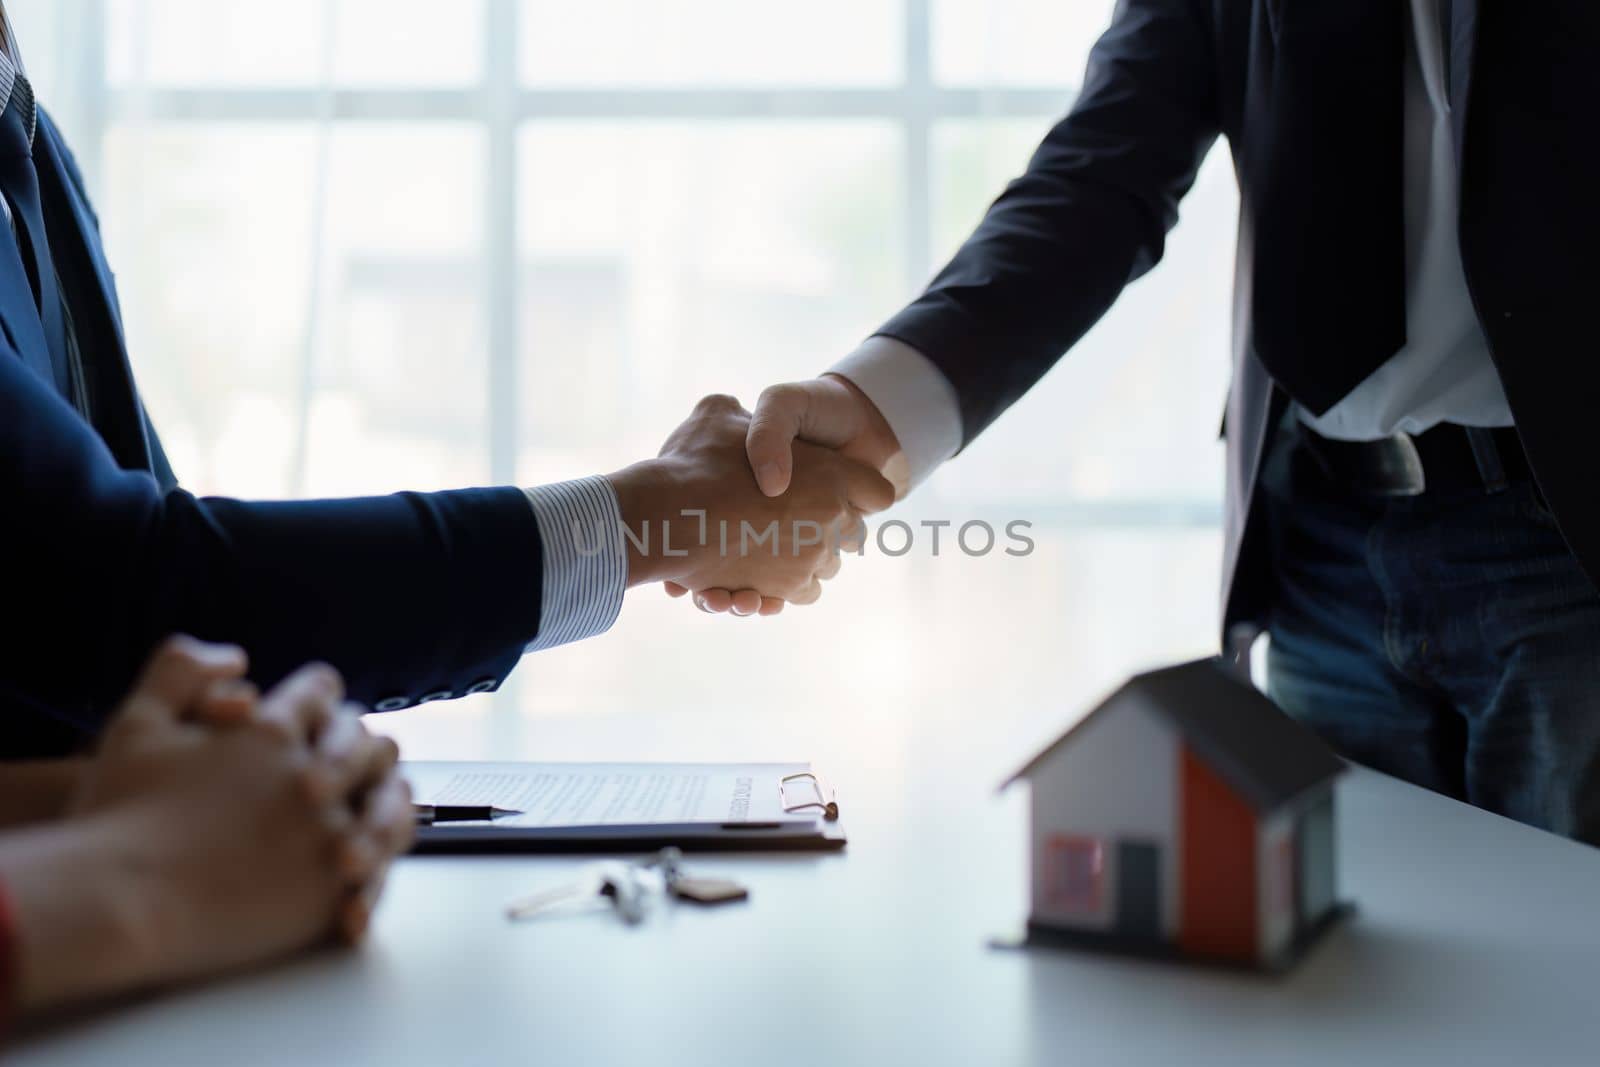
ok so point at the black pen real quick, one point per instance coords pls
(428, 814)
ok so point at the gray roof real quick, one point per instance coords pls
(1265, 755)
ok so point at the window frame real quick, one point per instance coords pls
(501, 105)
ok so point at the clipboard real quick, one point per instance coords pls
(629, 807)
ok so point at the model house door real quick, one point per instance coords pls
(1316, 891)
(1139, 890)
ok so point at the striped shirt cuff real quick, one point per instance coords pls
(585, 560)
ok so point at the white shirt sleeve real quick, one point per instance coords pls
(585, 560)
(916, 399)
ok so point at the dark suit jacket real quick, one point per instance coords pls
(1169, 77)
(410, 595)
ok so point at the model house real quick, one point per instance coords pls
(1185, 816)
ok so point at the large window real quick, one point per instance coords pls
(366, 245)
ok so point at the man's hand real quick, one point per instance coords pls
(221, 845)
(338, 737)
(771, 549)
(828, 411)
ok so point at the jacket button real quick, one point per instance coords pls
(392, 704)
(483, 685)
(438, 694)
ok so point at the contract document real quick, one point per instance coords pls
(619, 806)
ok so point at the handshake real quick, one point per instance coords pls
(750, 512)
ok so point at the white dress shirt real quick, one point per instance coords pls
(1443, 374)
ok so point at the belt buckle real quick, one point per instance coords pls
(1402, 472)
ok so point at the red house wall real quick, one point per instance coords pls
(1217, 913)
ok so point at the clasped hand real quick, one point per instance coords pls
(697, 518)
(751, 512)
(261, 824)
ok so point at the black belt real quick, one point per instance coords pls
(1447, 457)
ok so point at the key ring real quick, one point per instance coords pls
(670, 862)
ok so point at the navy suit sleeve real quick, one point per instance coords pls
(1089, 216)
(408, 595)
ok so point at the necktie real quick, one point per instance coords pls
(1327, 189)
(20, 182)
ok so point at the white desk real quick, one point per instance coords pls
(1478, 942)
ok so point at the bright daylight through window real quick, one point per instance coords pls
(514, 240)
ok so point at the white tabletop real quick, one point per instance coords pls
(1476, 942)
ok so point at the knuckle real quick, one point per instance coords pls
(327, 677)
(179, 650)
(344, 715)
(717, 402)
(779, 396)
(343, 736)
(275, 731)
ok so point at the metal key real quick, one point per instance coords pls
(628, 887)
(591, 883)
(627, 893)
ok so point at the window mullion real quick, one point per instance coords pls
(918, 123)
(501, 276)
(91, 91)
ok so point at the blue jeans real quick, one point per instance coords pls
(1449, 639)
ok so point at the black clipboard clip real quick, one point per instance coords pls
(826, 801)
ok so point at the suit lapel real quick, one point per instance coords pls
(1463, 47)
(86, 279)
(18, 311)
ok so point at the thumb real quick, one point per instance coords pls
(769, 441)
(821, 411)
(180, 672)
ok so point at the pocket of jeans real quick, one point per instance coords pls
(1538, 509)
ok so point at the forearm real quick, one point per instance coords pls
(36, 792)
(75, 913)
(1089, 215)
(404, 594)
(408, 595)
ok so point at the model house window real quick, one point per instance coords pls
(1318, 888)
(1074, 873)
(1284, 860)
